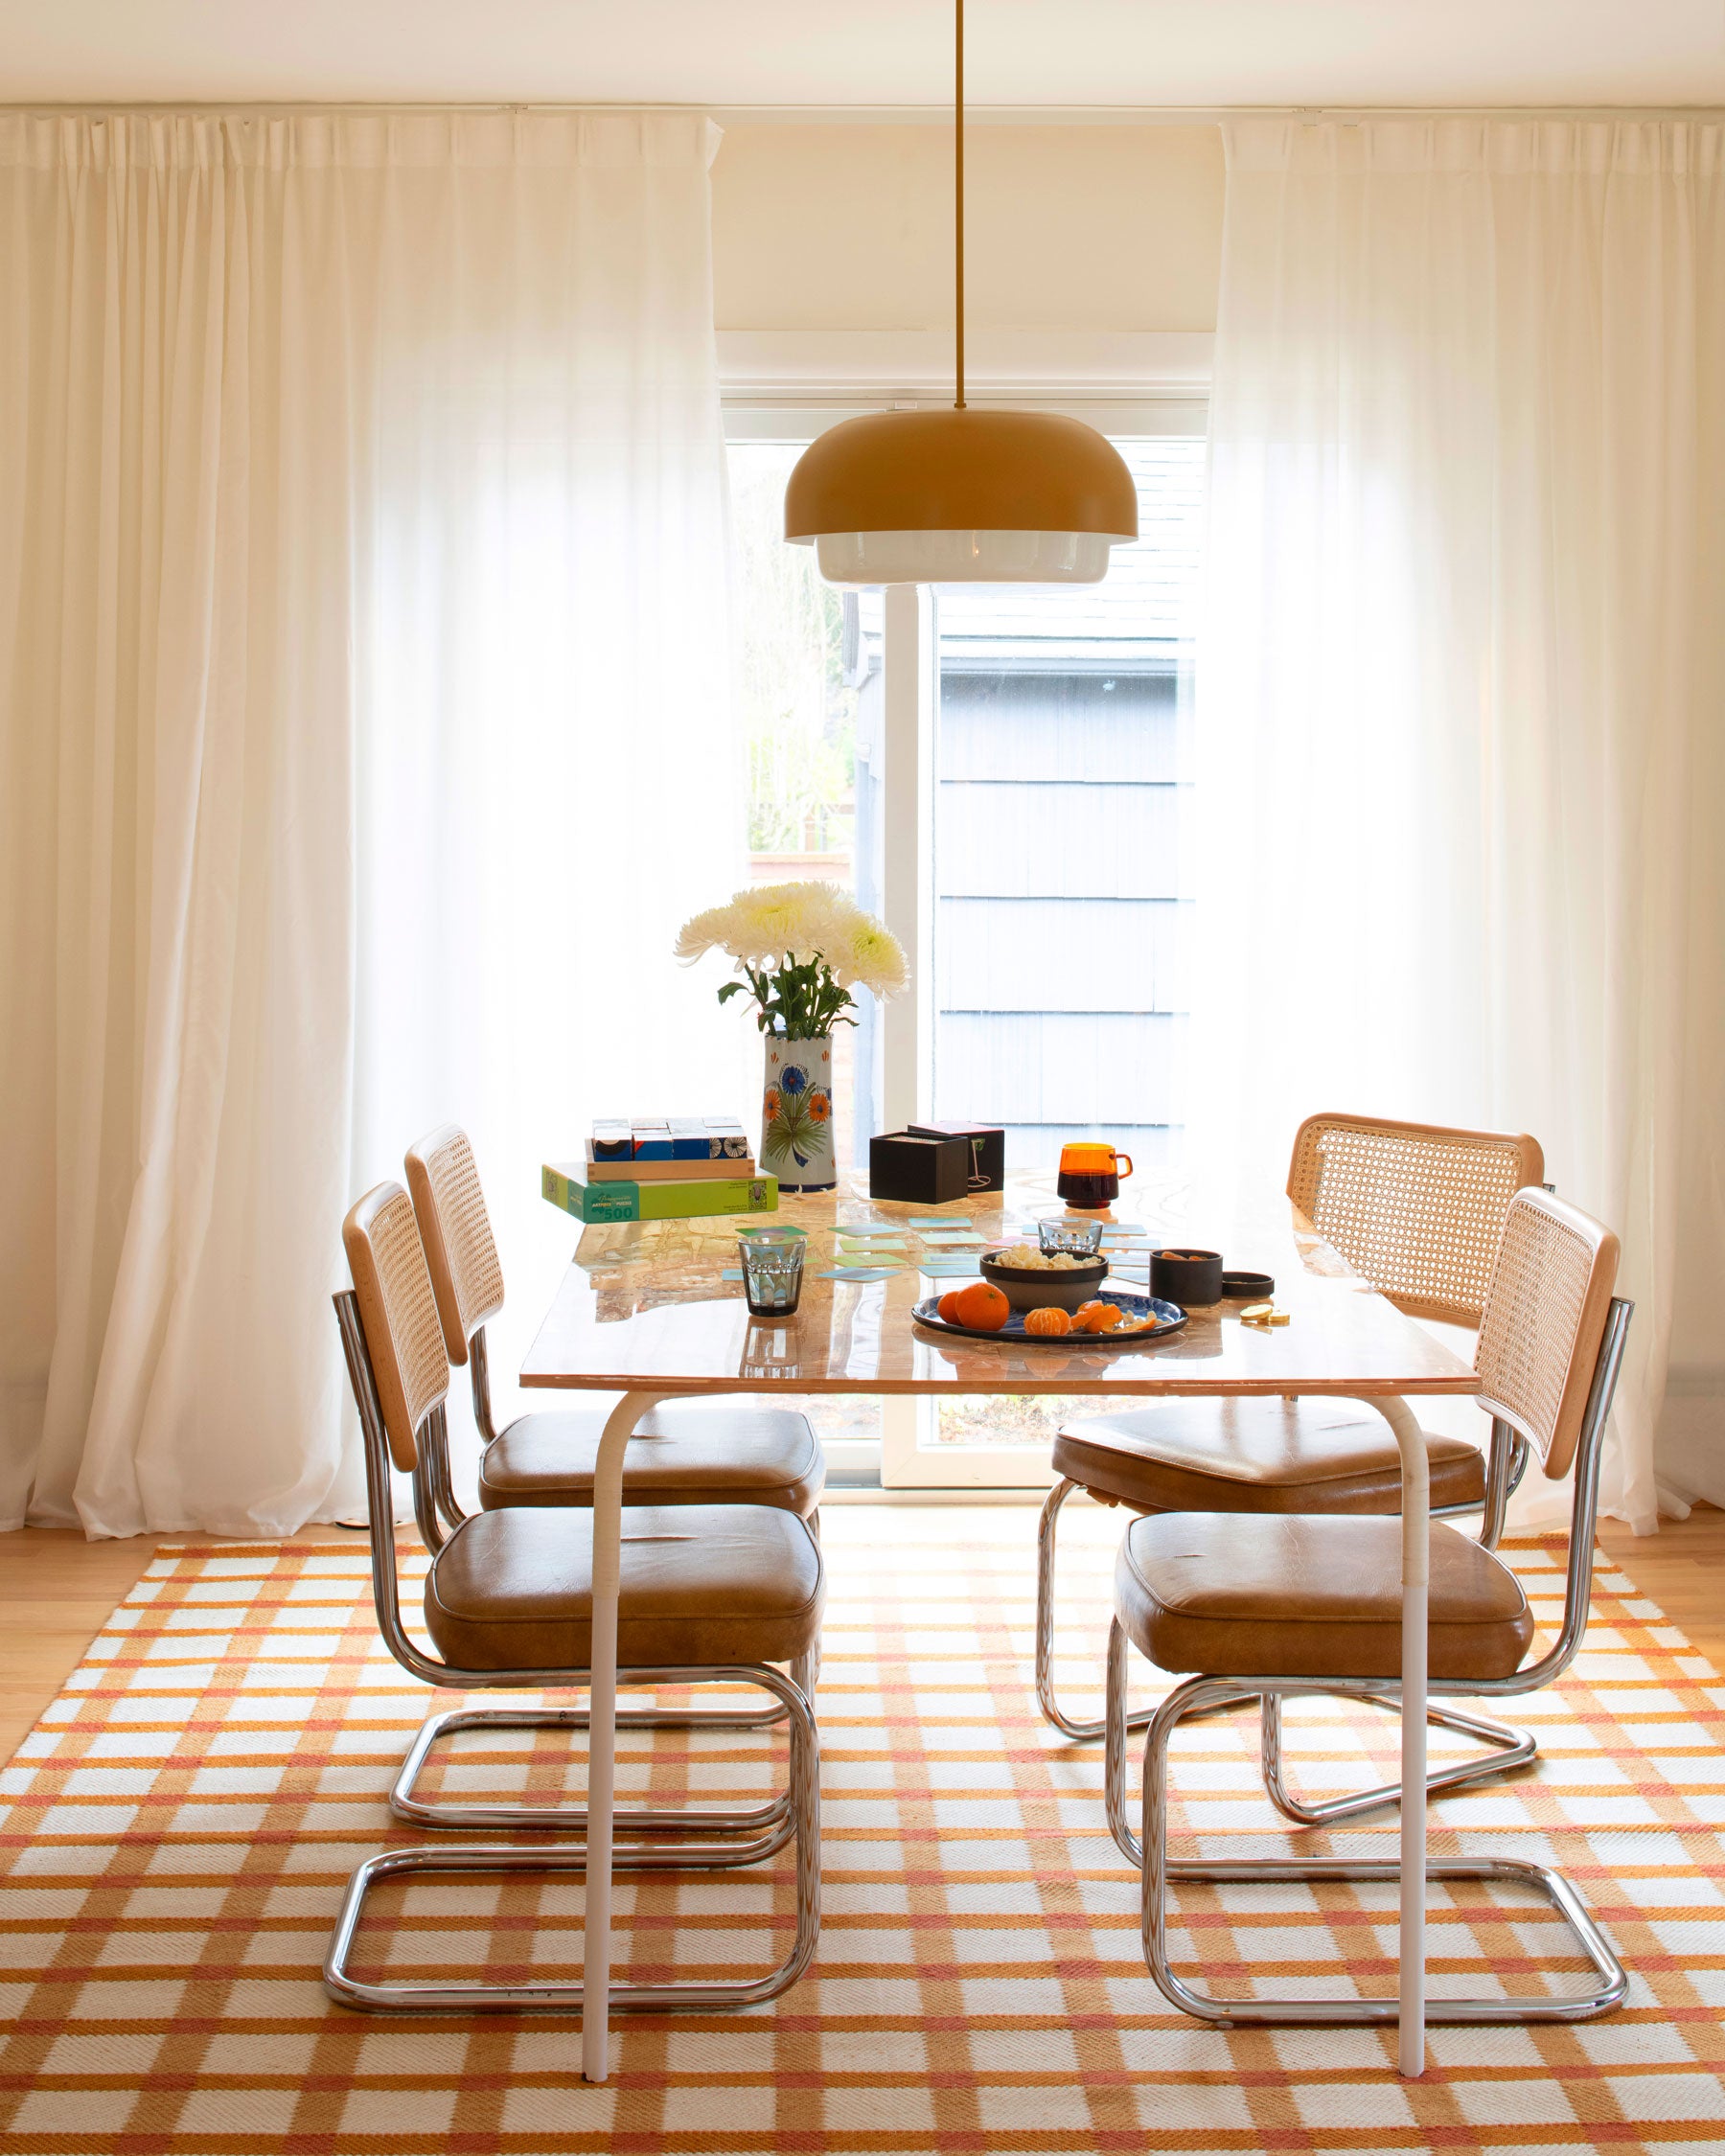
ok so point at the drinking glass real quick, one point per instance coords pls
(773, 1270)
(1069, 1238)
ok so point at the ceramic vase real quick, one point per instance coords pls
(796, 1113)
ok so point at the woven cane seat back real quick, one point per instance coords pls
(466, 1277)
(398, 1314)
(1413, 1207)
(1545, 1317)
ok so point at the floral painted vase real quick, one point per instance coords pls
(796, 1114)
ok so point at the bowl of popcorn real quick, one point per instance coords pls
(1035, 1280)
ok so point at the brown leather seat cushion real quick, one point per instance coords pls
(1269, 1594)
(1252, 1455)
(701, 1584)
(679, 1455)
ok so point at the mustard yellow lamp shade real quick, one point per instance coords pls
(961, 496)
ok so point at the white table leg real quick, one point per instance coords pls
(1417, 1559)
(602, 1729)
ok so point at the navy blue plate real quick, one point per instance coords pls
(927, 1313)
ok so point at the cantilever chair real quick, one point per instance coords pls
(1271, 1606)
(734, 1455)
(710, 1594)
(1417, 1211)
(721, 1456)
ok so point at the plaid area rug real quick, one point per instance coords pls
(181, 1826)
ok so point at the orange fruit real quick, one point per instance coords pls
(948, 1307)
(982, 1307)
(1049, 1322)
(1096, 1316)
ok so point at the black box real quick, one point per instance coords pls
(986, 1169)
(918, 1170)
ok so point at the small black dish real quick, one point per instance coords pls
(1186, 1276)
(1247, 1287)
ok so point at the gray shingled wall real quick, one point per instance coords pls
(1060, 930)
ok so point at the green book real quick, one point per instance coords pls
(656, 1201)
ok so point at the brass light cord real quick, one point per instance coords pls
(959, 196)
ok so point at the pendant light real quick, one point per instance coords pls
(961, 496)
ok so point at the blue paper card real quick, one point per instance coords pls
(857, 1272)
(944, 1220)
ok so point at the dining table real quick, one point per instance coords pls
(648, 1309)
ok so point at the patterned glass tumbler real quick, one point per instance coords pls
(773, 1270)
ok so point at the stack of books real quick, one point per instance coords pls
(663, 1170)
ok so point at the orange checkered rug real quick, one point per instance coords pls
(179, 1826)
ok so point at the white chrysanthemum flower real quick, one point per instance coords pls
(873, 957)
(802, 947)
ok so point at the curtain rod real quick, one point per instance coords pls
(878, 115)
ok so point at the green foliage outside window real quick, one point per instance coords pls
(799, 717)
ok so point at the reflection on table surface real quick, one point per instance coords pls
(645, 1304)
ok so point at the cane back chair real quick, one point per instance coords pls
(1274, 1606)
(685, 1454)
(1417, 1209)
(714, 1593)
(679, 1455)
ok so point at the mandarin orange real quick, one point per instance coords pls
(982, 1307)
(1047, 1322)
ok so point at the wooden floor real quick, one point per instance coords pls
(57, 1590)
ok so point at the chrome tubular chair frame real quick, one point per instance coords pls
(767, 1828)
(1207, 1695)
(438, 1997)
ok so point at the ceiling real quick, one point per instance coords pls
(869, 53)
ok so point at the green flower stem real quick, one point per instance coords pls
(802, 1002)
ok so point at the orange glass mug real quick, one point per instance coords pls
(1089, 1175)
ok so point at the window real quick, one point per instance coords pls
(1060, 777)
(1048, 790)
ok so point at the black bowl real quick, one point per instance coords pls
(1036, 1287)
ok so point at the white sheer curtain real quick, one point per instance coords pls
(362, 633)
(1463, 674)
